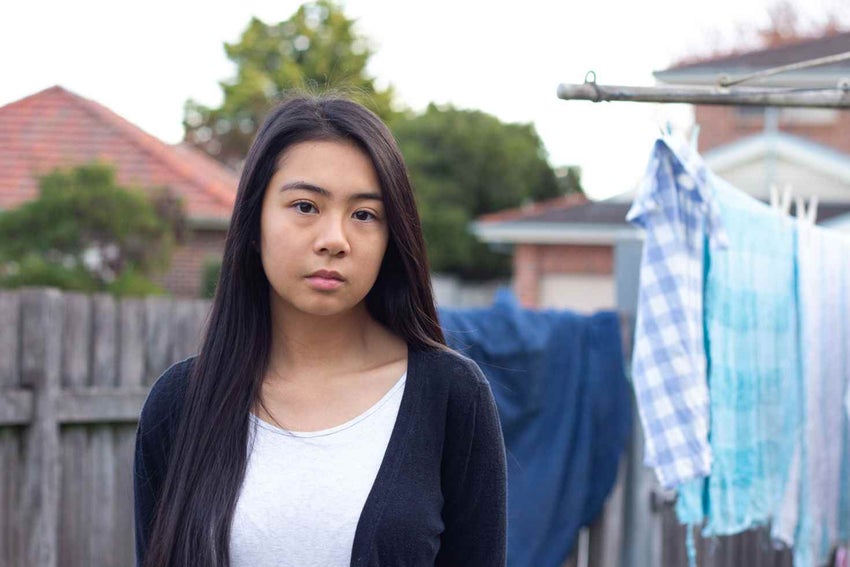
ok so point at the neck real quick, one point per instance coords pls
(305, 344)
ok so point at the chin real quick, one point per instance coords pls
(325, 307)
(326, 312)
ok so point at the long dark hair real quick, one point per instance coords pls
(209, 452)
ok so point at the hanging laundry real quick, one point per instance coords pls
(842, 558)
(565, 408)
(674, 206)
(753, 367)
(821, 445)
(844, 341)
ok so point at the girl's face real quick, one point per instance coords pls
(322, 210)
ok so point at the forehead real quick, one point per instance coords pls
(338, 166)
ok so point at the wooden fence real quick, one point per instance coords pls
(74, 372)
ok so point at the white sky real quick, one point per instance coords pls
(143, 60)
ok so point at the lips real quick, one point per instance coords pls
(328, 275)
(325, 281)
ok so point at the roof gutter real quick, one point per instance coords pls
(553, 233)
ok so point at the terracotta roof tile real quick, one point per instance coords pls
(57, 128)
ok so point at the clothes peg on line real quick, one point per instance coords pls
(781, 201)
(785, 200)
(694, 136)
(811, 213)
(808, 215)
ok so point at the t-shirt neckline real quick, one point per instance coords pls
(337, 428)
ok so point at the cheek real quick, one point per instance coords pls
(277, 251)
(378, 250)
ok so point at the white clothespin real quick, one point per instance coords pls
(695, 137)
(781, 202)
(810, 215)
(774, 196)
(813, 209)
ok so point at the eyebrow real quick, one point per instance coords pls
(325, 193)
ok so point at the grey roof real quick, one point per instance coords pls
(772, 57)
(600, 212)
(613, 213)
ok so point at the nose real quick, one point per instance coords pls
(331, 237)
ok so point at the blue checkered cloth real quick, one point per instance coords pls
(674, 206)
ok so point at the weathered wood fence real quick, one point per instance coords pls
(74, 372)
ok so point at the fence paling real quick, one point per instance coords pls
(74, 373)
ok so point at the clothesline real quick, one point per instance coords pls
(829, 97)
(725, 81)
(837, 96)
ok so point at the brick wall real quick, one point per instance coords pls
(720, 125)
(187, 262)
(527, 274)
(531, 262)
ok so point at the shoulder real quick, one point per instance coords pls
(165, 399)
(452, 365)
(457, 375)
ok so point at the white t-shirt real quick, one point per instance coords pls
(302, 495)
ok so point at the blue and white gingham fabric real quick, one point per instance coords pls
(674, 206)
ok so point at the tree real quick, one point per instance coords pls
(86, 233)
(317, 49)
(464, 163)
(786, 23)
(568, 178)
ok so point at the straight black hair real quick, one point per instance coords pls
(210, 453)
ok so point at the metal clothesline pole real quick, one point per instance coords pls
(838, 97)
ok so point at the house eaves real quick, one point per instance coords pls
(816, 156)
(553, 233)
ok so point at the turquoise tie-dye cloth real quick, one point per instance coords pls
(754, 371)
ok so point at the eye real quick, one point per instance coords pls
(299, 206)
(368, 213)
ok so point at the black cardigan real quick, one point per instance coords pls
(440, 494)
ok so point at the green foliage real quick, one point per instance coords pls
(569, 180)
(86, 233)
(209, 278)
(465, 163)
(315, 50)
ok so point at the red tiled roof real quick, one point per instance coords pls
(57, 128)
(535, 209)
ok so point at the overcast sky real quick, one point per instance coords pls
(143, 60)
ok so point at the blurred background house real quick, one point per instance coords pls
(567, 252)
(56, 128)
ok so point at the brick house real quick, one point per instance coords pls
(563, 250)
(57, 128)
(721, 125)
(566, 251)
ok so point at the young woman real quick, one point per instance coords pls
(324, 421)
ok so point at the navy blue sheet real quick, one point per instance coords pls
(565, 408)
